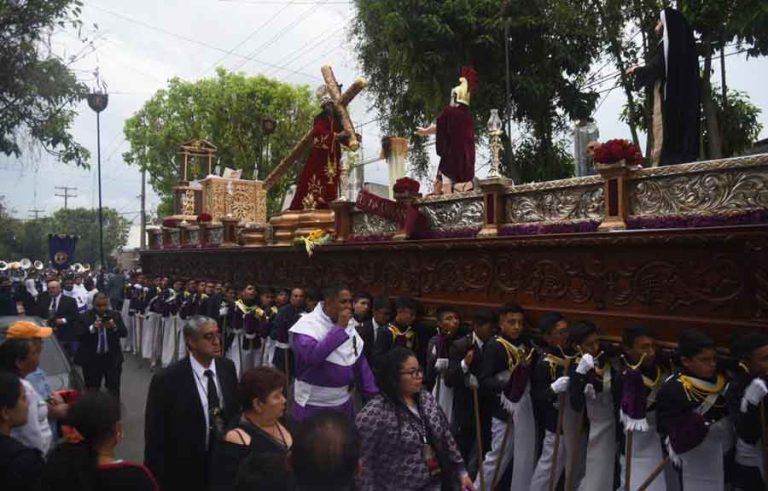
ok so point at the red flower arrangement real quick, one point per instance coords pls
(204, 218)
(406, 185)
(614, 151)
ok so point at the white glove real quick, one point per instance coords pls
(756, 391)
(441, 364)
(473, 382)
(503, 377)
(223, 311)
(586, 364)
(560, 385)
(589, 392)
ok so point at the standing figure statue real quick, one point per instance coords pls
(673, 76)
(318, 184)
(455, 131)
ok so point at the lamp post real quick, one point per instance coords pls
(494, 132)
(98, 101)
(268, 126)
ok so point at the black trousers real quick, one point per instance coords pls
(106, 368)
(279, 361)
(117, 304)
(747, 478)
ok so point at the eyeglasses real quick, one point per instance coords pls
(416, 373)
(210, 336)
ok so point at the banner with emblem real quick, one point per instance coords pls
(61, 250)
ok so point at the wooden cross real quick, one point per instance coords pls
(340, 101)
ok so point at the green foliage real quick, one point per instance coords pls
(227, 111)
(739, 122)
(539, 163)
(412, 53)
(37, 88)
(29, 238)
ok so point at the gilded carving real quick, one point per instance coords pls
(573, 203)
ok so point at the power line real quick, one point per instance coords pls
(298, 20)
(300, 52)
(200, 43)
(36, 212)
(247, 38)
(66, 190)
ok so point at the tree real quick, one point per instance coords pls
(226, 110)
(412, 53)
(37, 88)
(29, 238)
(739, 122)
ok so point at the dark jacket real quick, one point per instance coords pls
(20, 466)
(175, 427)
(89, 341)
(67, 309)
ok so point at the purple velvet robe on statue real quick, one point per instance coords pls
(329, 363)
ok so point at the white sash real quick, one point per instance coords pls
(703, 465)
(316, 395)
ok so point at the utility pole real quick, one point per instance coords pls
(67, 194)
(143, 236)
(36, 212)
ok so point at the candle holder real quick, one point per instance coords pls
(495, 132)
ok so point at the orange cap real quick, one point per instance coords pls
(27, 329)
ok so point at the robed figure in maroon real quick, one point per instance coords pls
(455, 133)
(319, 180)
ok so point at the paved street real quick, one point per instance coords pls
(135, 383)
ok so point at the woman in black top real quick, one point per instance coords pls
(259, 430)
(20, 466)
(86, 460)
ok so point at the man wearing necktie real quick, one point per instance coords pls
(61, 314)
(188, 406)
(100, 355)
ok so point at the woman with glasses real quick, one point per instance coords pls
(406, 439)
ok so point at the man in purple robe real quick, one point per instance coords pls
(329, 358)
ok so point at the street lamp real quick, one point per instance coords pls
(268, 126)
(98, 101)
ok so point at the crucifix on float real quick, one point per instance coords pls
(318, 183)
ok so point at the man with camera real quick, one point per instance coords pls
(100, 354)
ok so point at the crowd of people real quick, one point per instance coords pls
(269, 389)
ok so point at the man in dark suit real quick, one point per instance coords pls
(99, 353)
(62, 315)
(373, 327)
(465, 358)
(286, 317)
(188, 405)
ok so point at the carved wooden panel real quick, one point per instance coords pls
(714, 279)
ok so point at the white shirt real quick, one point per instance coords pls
(201, 381)
(29, 283)
(55, 301)
(37, 432)
(376, 328)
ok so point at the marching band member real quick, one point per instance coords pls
(591, 391)
(153, 324)
(505, 374)
(693, 414)
(244, 321)
(437, 358)
(402, 331)
(549, 386)
(639, 383)
(746, 400)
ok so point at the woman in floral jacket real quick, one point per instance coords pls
(406, 441)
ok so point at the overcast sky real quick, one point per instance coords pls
(140, 44)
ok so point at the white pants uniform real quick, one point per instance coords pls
(646, 455)
(540, 480)
(497, 456)
(126, 343)
(151, 326)
(170, 336)
(703, 465)
(601, 447)
(235, 352)
(445, 401)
